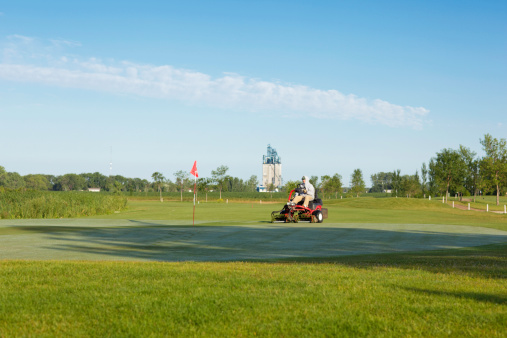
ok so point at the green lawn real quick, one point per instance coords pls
(311, 280)
(351, 210)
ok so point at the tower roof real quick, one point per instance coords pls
(272, 156)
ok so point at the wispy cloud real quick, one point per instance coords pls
(228, 91)
(63, 42)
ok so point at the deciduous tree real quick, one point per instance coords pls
(410, 185)
(203, 185)
(182, 180)
(357, 183)
(396, 182)
(158, 178)
(494, 164)
(290, 185)
(381, 181)
(424, 177)
(331, 184)
(252, 183)
(448, 169)
(471, 169)
(219, 176)
(37, 182)
(71, 182)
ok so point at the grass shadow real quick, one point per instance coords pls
(482, 261)
(475, 296)
(359, 247)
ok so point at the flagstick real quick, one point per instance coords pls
(193, 216)
(194, 172)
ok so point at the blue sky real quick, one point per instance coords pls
(331, 85)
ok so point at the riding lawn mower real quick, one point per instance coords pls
(295, 213)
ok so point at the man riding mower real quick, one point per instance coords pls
(303, 206)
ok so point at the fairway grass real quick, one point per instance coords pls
(350, 210)
(376, 267)
(446, 293)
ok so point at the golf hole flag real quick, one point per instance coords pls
(194, 172)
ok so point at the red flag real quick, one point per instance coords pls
(194, 170)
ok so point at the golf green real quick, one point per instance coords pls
(163, 240)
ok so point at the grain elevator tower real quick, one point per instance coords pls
(271, 169)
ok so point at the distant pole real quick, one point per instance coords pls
(468, 206)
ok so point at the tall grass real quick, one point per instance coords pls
(56, 204)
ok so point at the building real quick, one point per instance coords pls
(271, 170)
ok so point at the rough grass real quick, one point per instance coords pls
(56, 204)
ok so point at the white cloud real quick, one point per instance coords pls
(63, 43)
(228, 91)
(21, 38)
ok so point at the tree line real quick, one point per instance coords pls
(453, 172)
(116, 183)
(449, 172)
(219, 180)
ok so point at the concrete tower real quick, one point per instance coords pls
(271, 169)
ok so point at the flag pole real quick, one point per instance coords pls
(194, 172)
(193, 216)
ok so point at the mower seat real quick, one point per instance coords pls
(314, 203)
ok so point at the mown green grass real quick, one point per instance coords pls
(439, 293)
(447, 293)
(358, 210)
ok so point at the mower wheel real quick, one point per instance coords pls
(318, 215)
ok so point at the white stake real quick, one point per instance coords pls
(487, 207)
(453, 204)
(468, 206)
